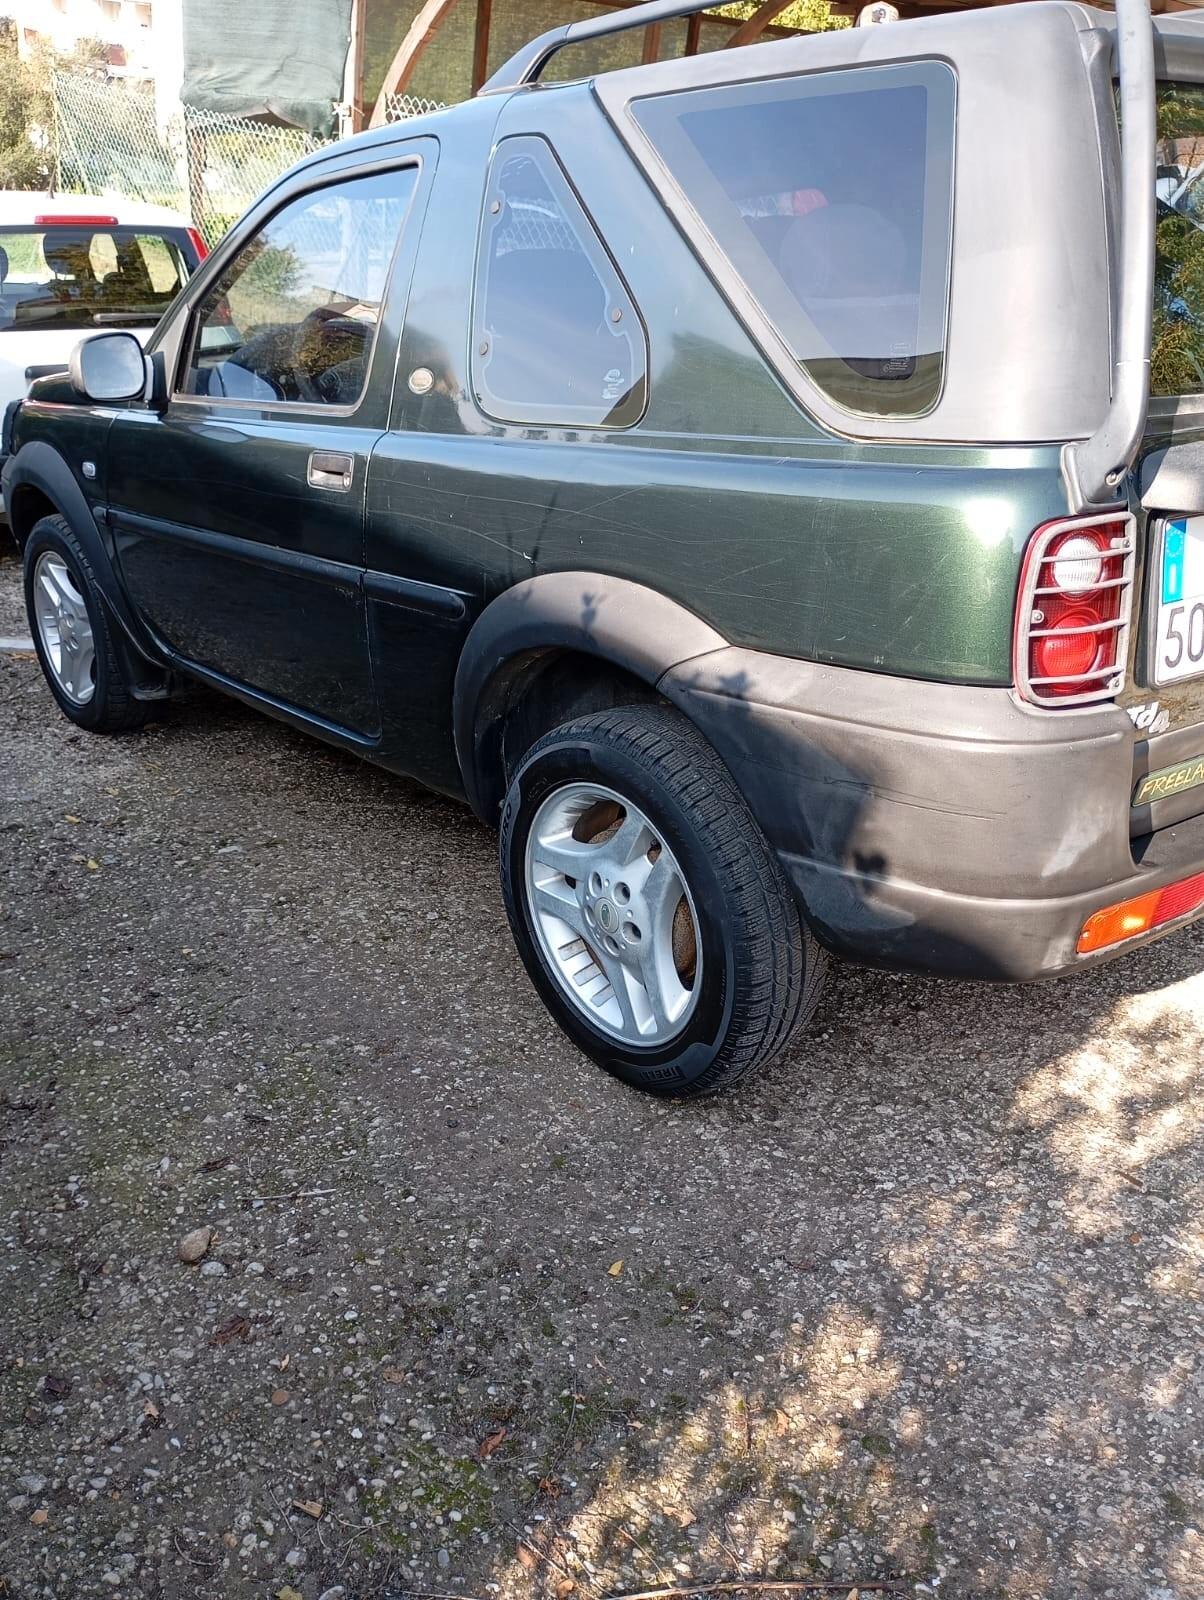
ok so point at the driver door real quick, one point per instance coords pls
(237, 513)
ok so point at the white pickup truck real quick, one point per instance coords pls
(74, 264)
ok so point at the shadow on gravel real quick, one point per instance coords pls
(923, 1299)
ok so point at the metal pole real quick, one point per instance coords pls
(56, 134)
(353, 119)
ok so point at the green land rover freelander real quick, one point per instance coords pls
(768, 485)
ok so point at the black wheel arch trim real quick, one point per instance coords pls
(38, 465)
(624, 624)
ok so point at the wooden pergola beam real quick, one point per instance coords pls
(480, 44)
(755, 26)
(432, 14)
(401, 69)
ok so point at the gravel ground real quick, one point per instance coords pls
(923, 1301)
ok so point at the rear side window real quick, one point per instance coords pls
(830, 195)
(557, 339)
(293, 316)
(87, 276)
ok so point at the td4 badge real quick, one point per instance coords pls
(1150, 718)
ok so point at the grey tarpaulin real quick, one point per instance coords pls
(248, 58)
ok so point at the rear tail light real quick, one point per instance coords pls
(198, 243)
(1116, 923)
(1072, 613)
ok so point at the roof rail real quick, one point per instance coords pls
(526, 64)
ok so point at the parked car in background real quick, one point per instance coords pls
(740, 477)
(74, 263)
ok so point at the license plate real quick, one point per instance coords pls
(1179, 628)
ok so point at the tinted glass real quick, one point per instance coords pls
(831, 197)
(556, 336)
(1177, 356)
(87, 277)
(293, 316)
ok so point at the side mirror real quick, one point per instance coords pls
(108, 366)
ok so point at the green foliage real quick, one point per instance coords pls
(809, 16)
(1177, 353)
(23, 165)
(1180, 111)
(27, 109)
(1178, 347)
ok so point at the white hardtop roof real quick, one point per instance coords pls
(19, 207)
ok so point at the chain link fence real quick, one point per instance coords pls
(400, 106)
(108, 141)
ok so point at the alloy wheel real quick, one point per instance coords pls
(613, 914)
(64, 628)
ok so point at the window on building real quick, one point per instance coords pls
(557, 339)
(831, 196)
(294, 315)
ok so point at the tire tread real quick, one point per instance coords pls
(112, 709)
(780, 967)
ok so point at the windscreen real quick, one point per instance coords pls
(87, 277)
(1177, 354)
(830, 195)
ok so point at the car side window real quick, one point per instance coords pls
(557, 339)
(831, 196)
(294, 315)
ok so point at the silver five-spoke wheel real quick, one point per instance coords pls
(613, 914)
(64, 628)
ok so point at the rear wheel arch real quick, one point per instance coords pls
(554, 647)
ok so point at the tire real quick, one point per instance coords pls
(67, 618)
(640, 785)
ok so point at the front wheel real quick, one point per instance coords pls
(71, 632)
(650, 912)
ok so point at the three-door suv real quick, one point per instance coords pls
(770, 484)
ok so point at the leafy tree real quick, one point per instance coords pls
(22, 164)
(809, 16)
(1177, 356)
(27, 106)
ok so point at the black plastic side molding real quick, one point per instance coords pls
(622, 623)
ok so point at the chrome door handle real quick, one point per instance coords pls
(329, 470)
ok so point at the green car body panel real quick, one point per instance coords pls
(834, 609)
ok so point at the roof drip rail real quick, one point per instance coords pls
(526, 64)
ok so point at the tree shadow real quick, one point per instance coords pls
(985, 1369)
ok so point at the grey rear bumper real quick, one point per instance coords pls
(934, 827)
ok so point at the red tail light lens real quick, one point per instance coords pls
(198, 243)
(1073, 610)
(63, 219)
(1070, 648)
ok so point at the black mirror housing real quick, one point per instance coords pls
(109, 367)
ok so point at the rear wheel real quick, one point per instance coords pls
(71, 632)
(647, 905)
